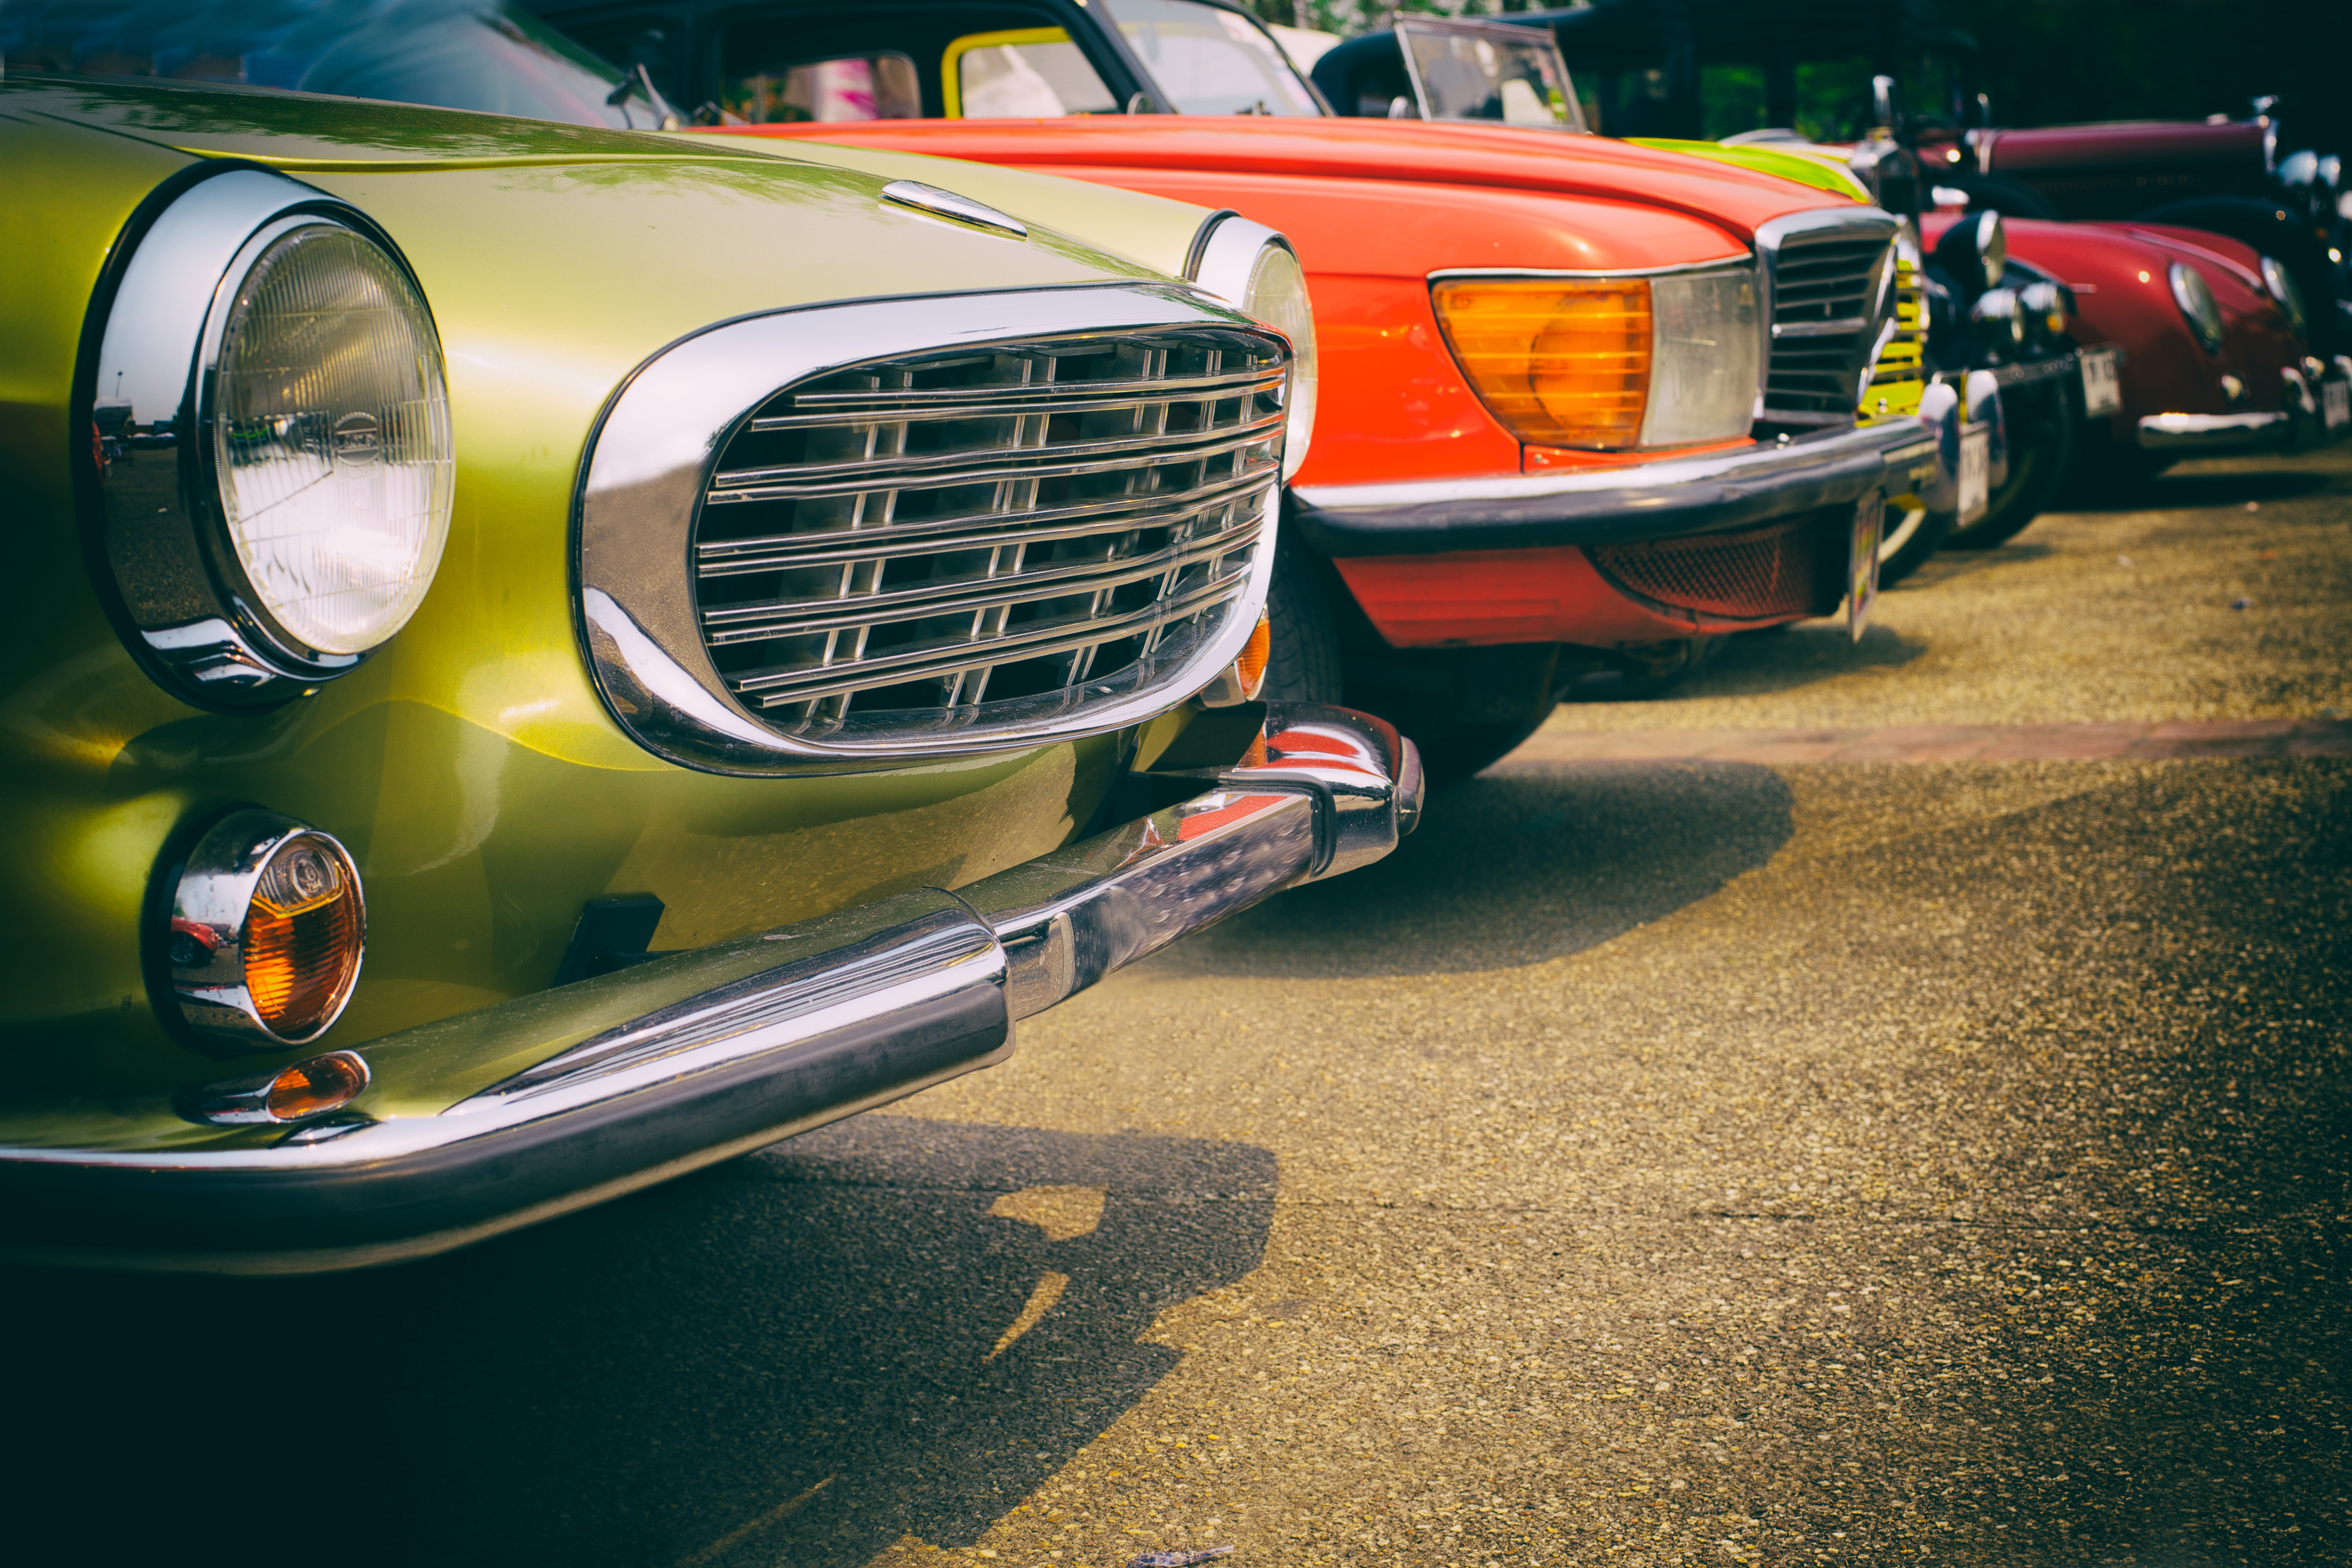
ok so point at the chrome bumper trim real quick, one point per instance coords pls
(2215, 432)
(1660, 500)
(1337, 791)
(2299, 422)
(627, 1080)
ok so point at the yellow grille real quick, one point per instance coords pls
(1901, 372)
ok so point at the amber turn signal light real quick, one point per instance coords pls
(316, 1087)
(303, 1092)
(266, 932)
(1558, 362)
(1249, 669)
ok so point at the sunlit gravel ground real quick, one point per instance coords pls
(1651, 1163)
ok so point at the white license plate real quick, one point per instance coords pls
(2336, 403)
(1976, 468)
(1861, 565)
(2103, 393)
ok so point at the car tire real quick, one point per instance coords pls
(1917, 535)
(1303, 661)
(1450, 754)
(2037, 468)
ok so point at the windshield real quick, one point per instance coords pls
(1502, 74)
(453, 53)
(1211, 61)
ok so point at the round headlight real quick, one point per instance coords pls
(1249, 266)
(1991, 245)
(331, 440)
(1277, 295)
(272, 337)
(2281, 284)
(2197, 308)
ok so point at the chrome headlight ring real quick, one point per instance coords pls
(2198, 309)
(1254, 268)
(232, 597)
(2281, 285)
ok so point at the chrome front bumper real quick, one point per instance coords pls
(1661, 500)
(2298, 423)
(618, 1082)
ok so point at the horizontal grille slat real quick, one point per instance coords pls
(975, 406)
(972, 530)
(800, 618)
(914, 543)
(1098, 456)
(960, 655)
(1825, 296)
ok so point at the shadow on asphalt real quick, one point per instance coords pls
(656, 1381)
(1758, 664)
(2180, 492)
(1528, 861)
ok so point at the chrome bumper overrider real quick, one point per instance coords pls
(1658, 499)
(2299, 422)
(599, 1088)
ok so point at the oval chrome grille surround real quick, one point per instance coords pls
(859, 534)
(896, 544)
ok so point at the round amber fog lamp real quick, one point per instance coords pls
(265, 933)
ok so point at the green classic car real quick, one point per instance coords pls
(546, 658)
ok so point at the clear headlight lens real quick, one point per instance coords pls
(1609, 362)
(1276, 295)
(2197, 308)
(332, 438)
(1707, 353)
(2281, 284)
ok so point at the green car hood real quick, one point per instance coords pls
(1804, 171)
(472, 755)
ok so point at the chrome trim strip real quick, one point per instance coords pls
(649, 467)
(1721, 264)
(632, 1078)
(2214, 432)
(937, 202)
(1658, 499)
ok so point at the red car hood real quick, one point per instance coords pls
(1408, 152)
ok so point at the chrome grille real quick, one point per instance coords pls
(923, 542)
(1826, 317)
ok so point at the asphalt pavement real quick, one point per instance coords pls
(1913, 1149)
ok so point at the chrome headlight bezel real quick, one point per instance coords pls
(1255, 269)
(2198, 309)
(160, 533)
(2281, 286)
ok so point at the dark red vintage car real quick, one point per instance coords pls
(2243, 178)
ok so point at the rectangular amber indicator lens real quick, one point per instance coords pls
(1560, 361)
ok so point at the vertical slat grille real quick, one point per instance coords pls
(1825, 322)
(917, 543)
